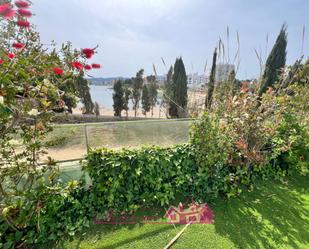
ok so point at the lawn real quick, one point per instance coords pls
(273, 215)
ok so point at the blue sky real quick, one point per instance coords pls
(134, 34)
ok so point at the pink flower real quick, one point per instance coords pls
(6, 11)
(18, 45)
(88, 67)
(22, 4)
(11, 56)
(1, 62)
(88, 52)
(23, 24)
(77, 65)
(25, 13)
(96, 66)
(58, 70)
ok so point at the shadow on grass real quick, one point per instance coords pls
(98, 234)
(272, 216)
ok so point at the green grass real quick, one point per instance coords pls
(273, 215)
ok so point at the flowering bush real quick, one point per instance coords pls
(245, 135)
(32, 84)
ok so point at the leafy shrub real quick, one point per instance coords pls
(212, 156)
(46, 214)
(291, 145)
(251, 137)
(124, 179)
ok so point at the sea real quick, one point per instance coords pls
(103, 95)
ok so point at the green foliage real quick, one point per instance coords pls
(127, 94)
(136, 90)
(34, 83)
(83, 92)
(118, 98)
(211, 84)
(123, 180)
(275, 62)
(45, 215)
(212, 157)
(145, 100)
(168, 90)
(96, 109)
(241, 139)
(152, 92)
(178, 91)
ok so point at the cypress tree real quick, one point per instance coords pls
(152, 91)
(166, 101)
(96, 109)
(83, 92)
(275, 62)
(136, 90)
(145, 100)
(179, 90)
(127, 94)
(118, 98)
(211, 84)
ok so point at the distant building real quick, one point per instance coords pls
(161, 79)
(196, 80)
(223, 71)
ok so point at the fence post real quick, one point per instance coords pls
(86, 136)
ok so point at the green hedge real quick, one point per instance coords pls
(126, 178)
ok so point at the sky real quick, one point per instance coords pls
(134, 34)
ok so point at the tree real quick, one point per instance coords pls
(153, 94)
(118, 98)
(179, 89)
(275, 62)
(151, 78)
(152, 91)
(128, 83)
(83, 91)
(211, 84)
(32, 77)
(136, 90)
(145, 100)
(167, 91)
(127, 94)
(96, 109)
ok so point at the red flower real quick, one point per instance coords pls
(1, 62)
(23, 24)
(18, 45)
(58, 70)
(24, 12)
(11, 56)
(96, 66)
(241, 144)
(61, 104)
(77, 65)
(6, 11)
(22, 4)
(88, 52)
(88, 67)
